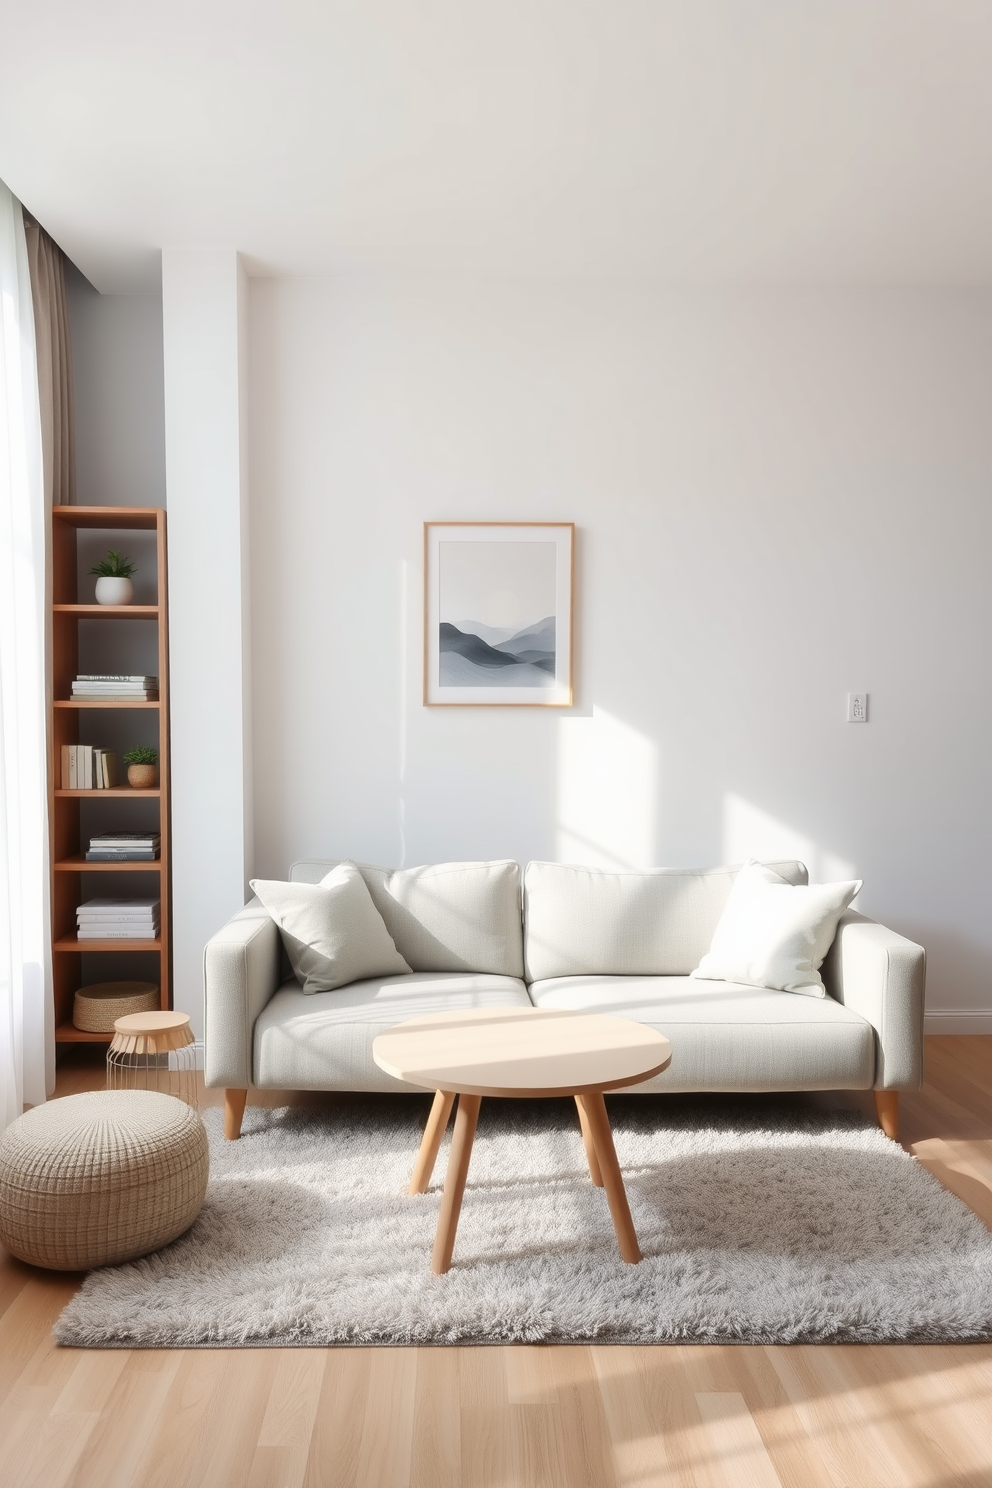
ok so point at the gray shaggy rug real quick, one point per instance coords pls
(761, 1221)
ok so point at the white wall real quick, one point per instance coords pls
(204, 298)
(120, 410)
(780, 498)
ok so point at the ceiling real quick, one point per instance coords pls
(729, 141)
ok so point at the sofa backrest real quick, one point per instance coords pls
(591, 922)
(445, 916)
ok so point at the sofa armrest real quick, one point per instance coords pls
(881, 975)
(241, 966)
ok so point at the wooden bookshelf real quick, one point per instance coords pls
(69, 836)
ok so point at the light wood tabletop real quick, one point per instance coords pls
(528, 1052)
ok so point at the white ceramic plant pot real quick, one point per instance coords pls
(114, 591)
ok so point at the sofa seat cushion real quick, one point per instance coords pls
(323, 1040)
(730, 1037)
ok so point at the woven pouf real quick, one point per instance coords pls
(96, 1179)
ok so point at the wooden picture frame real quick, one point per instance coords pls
(498, 603)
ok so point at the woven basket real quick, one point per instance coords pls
(96, 1008)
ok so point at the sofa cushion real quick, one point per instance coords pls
(447, 916)
(587, 921)
(731, 1037)
(332, 932)
(775, 934)
(324, 1041)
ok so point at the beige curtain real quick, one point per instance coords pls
(51, 319)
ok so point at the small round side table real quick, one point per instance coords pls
(520, 1052)
(154, 1051)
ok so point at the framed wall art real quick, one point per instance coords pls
(498, 614)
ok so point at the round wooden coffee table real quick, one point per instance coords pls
(519, 1052)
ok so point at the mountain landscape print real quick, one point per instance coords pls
(498, 614)
(476, 655)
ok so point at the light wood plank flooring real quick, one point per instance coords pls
(682, 1417)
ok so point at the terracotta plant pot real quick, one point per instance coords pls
(142, 777)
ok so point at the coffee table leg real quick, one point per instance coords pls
(466, 1119)
(437, 1123)
(589, 1144)
(599, 1124)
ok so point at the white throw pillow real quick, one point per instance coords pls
(774, 934)
(332, 931)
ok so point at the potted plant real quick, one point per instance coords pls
(142, 767)
(113, 585)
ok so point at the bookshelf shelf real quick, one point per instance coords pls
(105, 703)
(152, 792)
(68, 1033)
(72, 820)
(106, 612)
(117, 943)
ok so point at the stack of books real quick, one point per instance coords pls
(123, 847)
(88, 767)
(109, 688)
(118, 919)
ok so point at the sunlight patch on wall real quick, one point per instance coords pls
(607, 793)
(749, 832)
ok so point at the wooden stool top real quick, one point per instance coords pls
(152, 1032)
(522, 1051)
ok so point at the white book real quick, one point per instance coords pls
(98, 780)
(132, 934)
(116, 919)
(119, 917)
(125, 839)
(118, 932)
(124, 918)
(123, 677)
(73, 767)
(105, 905)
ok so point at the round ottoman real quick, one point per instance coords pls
(95, 1179)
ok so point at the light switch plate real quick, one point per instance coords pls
(857, 707)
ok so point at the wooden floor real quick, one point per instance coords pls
(819, 1417)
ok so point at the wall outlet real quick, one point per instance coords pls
(857, 707)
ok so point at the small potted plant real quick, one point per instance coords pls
(113, 585)
(142, 767)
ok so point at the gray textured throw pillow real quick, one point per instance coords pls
(332, 931)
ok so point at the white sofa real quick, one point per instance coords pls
(483, 935)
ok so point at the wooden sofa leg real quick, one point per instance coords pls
(887, 1111)
(234, 1110)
